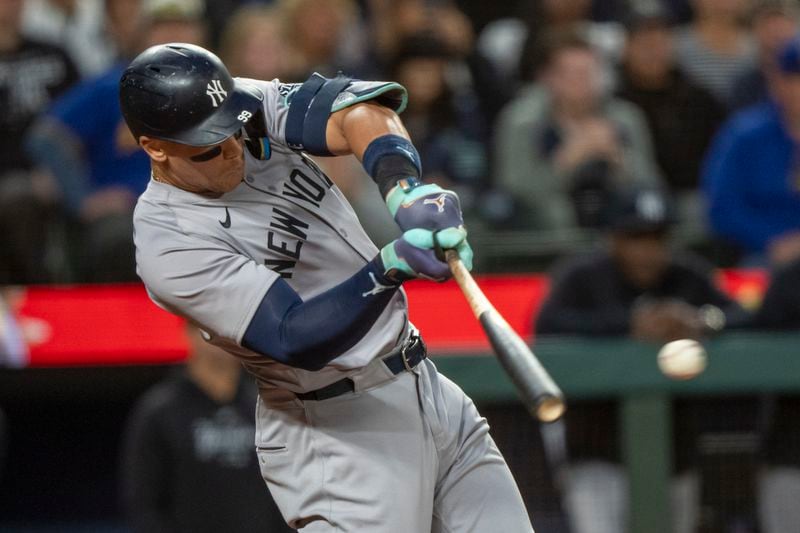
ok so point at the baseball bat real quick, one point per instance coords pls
(538, 391)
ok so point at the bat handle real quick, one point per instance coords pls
(475, 297)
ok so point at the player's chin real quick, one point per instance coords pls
(229, 181)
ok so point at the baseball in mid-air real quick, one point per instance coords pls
(682, 359)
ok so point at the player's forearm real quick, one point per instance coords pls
(377, 137)
(351, 130)
(309, 334)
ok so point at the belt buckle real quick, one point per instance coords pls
(413, 340)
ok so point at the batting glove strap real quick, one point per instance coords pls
(425, 206)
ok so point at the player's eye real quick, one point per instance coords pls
(207, 155)
(213, 152)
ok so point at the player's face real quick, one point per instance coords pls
(213, 169)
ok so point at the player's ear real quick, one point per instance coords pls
(153, 148)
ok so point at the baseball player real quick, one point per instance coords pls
(241, 233)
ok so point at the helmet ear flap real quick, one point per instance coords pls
(256, 127)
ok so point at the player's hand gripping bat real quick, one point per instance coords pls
(537, 389)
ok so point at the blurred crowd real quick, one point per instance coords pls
(538, 113)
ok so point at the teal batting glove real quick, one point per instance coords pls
(424, 206)
(414, 255)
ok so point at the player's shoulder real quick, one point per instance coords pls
(346, 91)
(160, 224)
(168, 219)
(275, 93)
(153, 207)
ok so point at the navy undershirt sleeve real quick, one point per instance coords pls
(309, 334)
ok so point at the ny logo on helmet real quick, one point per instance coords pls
(216, 92)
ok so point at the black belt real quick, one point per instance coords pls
(406, 358)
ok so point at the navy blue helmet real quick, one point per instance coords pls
(183, 93)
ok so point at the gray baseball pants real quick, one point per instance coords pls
(406, 454)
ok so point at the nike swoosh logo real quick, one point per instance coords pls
(227, 223)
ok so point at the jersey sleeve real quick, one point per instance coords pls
(296, 114)
(199, 278)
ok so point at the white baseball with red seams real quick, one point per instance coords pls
(682, 359)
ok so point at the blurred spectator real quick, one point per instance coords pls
(189, 463)
(324, 36)
(75, 25)
(780, 308)
(252, 45)
(563, 144)
(639, 288)
(447, 126)
(84, 142)
(750, 173)
(31, 75)
(774, 24)
(511, 42)
(3, 442)
(469, 73)
(682, 117)
(391, 21)
(715, 49)
(780, 478)
(13, 341)
(219, 12)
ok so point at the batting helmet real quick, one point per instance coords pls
(183, 93)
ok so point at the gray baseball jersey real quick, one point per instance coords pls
(212, 260)
(406, 452)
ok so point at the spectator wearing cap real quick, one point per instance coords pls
(635, 287)
(563, 144)
(751, 177)
(84, 142)
(774, 23)
(682, 116)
